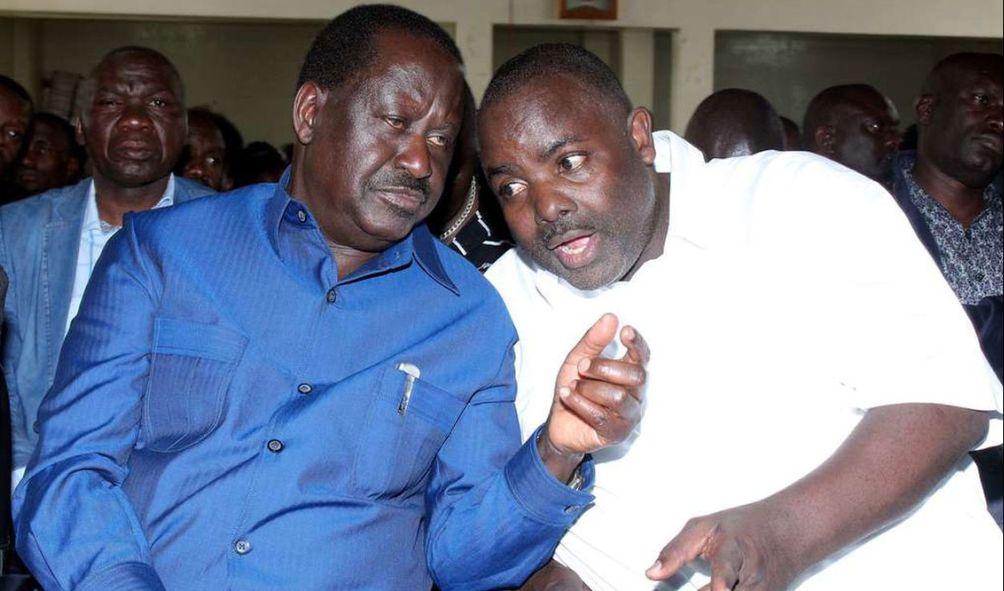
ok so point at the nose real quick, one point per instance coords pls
(28, 160)
(414, 157)
(194, 169)
(551, 204)
(135, 116)
(893, 138)
(995, 119)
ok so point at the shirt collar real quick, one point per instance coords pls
(92, 221)
(905, 162)
(418, 245)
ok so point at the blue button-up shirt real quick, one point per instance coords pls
(228, 414)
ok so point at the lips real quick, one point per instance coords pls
(410, 200)
(575, 248)
(990, 141)
(134, 149)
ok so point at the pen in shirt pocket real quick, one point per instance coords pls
(412, 373)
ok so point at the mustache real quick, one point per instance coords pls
(559, 227)
(402, 180)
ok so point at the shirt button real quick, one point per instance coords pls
(301, 215)
(275, 446)
(331, 296)
(304, 388)
(571, 508)
(242, 547)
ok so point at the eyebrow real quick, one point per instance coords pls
(556, 145)
(497, 170)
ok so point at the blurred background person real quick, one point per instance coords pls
(468, 218)
(855, 125)
(735, 122)
(205, 157)
(949, 191)
(258, 162)
(15, 113)
(792, 135)
(52, 157)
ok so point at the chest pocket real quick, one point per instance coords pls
(398, 446)
(190, 370)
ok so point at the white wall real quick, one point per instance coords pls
(694, 23)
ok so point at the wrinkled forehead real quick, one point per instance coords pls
(538, 113)
(45, 131)
(137, 71)
(413, 68)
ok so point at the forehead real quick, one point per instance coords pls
(202, 128)
(11, 105)
(42, 130)
(544, 110)
(136, 71)
(411, 68)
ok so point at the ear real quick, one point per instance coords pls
(310, 98)
(78, 128)
(640, 128)
(825, 139)
(924, 108)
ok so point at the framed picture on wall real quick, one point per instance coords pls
(588, 9)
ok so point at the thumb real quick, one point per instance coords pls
(686, 547)
(593, 342)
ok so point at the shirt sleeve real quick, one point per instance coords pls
(496, 512)
(896, 331)
(75, 526)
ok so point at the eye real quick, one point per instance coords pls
(394, 122)
(510, 190)
(439, 140)
(981, 99)
(159, 103)
(13, 134)
(873, 126)
(571, 162)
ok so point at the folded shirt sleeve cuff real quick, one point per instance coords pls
(128, 576)
(540, 494)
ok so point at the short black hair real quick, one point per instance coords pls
(943, 76)
(826, 107)
(14, 87)
(346, 45)
(550, 59)
(233, 141)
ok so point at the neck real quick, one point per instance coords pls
(657, 242)
(114, 201)
(962, 201)
(347, 258)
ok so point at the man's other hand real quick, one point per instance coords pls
(743, 546)
(597, 401)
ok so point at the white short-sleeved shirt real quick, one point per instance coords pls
(792, 295)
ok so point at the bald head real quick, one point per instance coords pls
(959, 117)
(124, 56)
(735, 122)
(855, 125)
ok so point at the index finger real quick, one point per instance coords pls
(637, 348)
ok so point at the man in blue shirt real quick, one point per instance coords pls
(295, 386)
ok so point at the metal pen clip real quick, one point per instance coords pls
(412, 373)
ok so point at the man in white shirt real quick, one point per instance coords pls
(813, 385)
